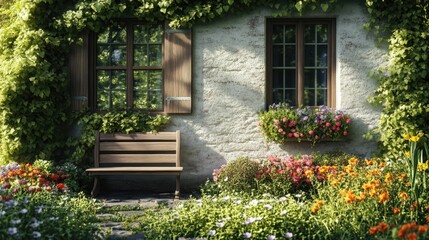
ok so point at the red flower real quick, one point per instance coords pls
(54, 177)
(60, 186)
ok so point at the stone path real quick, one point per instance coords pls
(116, 206)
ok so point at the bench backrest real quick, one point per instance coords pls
(162, 148)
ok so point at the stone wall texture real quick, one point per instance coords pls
(229, 91)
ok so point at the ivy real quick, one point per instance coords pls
(403, 90)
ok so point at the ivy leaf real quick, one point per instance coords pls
(324, 6)
(122, 7)
(96, 7)
(298, 6)
(230, 2)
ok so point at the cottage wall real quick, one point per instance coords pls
(229, 90)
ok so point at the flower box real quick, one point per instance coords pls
(282, 123)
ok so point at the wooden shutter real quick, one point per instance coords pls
(78, 73)
(178, 71)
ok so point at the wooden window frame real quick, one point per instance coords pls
(129, 68)
(299, 74)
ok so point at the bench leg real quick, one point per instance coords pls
(177, 193)
(96, 187)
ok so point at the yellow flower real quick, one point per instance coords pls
(422, 166)
(407, 154)
(407, 136)
(414, 138)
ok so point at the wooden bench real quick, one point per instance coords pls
(136, 154)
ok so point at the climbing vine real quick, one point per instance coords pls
(403, 90)
(35, 37)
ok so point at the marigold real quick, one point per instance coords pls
(411, 236)
(369, 162)
(396, 210)
(388, 177)
(353, 161)
(403, 195)
(383, 197)
(422, 229)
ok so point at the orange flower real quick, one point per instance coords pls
(380, 228)
(402, 176)
(369, 162)
(396, 210)
(361, 197)
(353, 161)
(403, 195)
(350, 197)
(427, 219)
(383, 197)
(403, 230)
(388, 177)
(411, 236)
(373, 230)
(422, 229)
(427, 208)
(316, 206)
(309, 173)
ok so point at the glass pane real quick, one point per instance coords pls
(309, 60)
(119, 99)
(103, 55)
(278, 96)
(322, 33)
(140, 99)
(322, 97)
(103, 79)
(119, 79)
(309, 97)
(155, 35)
(155, 79)
(309, 78)
(155, 55)
(119, 56)
(309, 34)
(155, 100)
(140, 55)
(322, 55)
(277, 78)
(290, 97)
(113, 34)
(140, 79)
(289, 56)
(278, 56)
(322, 78)
(140, 34)
(103, 99)
(290, 34)
(278, 33)
(290, 78)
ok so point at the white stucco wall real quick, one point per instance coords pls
(229, 90)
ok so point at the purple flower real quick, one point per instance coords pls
(288, 235)
(12, 231)
(212, 232)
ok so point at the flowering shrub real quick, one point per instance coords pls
(282, 122)
(35, 203)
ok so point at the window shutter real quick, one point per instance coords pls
(78, 74)
(178, 71)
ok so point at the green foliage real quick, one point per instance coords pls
(403, 84)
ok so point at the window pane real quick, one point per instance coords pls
(290, 97)
(155, 80)
(111, 89)
(289, 34)
(141, 35)
(278, 34)
(155, 100)
(155, 35)
(103, 100)
(111, 55)
(309, 34)
(322, 55)
(140, 79)
(290, 78)
(322, 97)
(119, 99)
(309, 60)
(113, 34)
(322, 78)
(322, 33)
(289, 56)
(140, 55)
(278, 78)
(103, 79)
(309, 97)
(140, 100)
(278, 56)
(278, 96)
(119, 79)
(103, 55)
(309, 78)
(155, 55)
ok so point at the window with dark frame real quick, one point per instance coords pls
(128, 67)
(300, 61)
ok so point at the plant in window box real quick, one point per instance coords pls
(282, 123)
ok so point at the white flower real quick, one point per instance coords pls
(283, 212)
(238, 202)
(254, 202)
(258, 218)
(212, 232)
(283, 199)
(226, 198)
(268, 207)
(2, 213)
(288, 235)
(12, 231)
(225, 179)
(220, 224)
(247, 235)
(36, 234)
(23, 211)
(214, 200)
(266, 194)
(249, 221)
(298, 195)
(14, 222)
(180, 206)
(271, 237)
(39, 209)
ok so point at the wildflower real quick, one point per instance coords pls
(403, 195)
(288, 235)
(36, 234)
(396, 210)
(383, 197)
(60, 186)
(407, 154)
(422, 166)
(268, 207)
(12, 231)
(247, 235)
(14, 222)
(406, 136)
(271, 237)
(284, 213)
(220, 224)
(23, 211)
(422, 229)
(212, 232)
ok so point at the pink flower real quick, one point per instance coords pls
(296, 135)
(276, 121)
(328, 124)
(284, 119)
(338, 124)
(348, 120)
(289, 134)
(311, 132)
(280, 130)
(345, 133)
